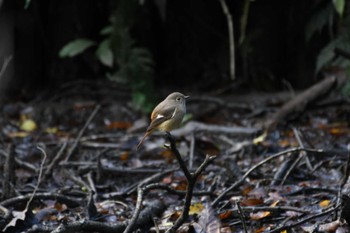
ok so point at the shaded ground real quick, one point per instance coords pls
(92, 171)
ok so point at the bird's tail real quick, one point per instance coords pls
(143, 138)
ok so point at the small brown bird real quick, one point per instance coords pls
(167, 115)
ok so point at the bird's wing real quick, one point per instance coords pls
(158, 118)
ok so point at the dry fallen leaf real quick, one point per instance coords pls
(251, 202)
(324, 203)
(196, 208)
(225, 215)
(119, 125)
(260, 215)
(260, 139)
(28, 125)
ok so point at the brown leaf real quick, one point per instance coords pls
(260, 215)
(119, 125)
(251, 202)
(325, 203)
(260, 230)
(60, 207)
(225, 215)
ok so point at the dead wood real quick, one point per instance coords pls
(197, 127)
(153, 209)
(20, 200)
(300, 102)
(9, 173)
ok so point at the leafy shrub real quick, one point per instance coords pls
(128, 63)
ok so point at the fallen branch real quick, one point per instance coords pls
(301, 101)
(19, 200)
(196, 127)
(155, 208)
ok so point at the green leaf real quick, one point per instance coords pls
(327, 54)
(104, 53)
(339, 6)
(75, 47)
(26, 4)
(138, 98)
(318, 21)
(106, 30)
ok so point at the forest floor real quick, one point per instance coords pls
(69, 164)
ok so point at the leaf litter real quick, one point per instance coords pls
(104, 170)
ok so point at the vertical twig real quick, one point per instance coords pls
(9, 172)
(241, 216)
(55, 160)
(244, 21)
(301, 144)
(5, 64)
(297, 160)
(178, 156)
(191, 180)
(231, 38)
(141, 191)
(193, 141)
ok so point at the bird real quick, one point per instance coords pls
(167, 115)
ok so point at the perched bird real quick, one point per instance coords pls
(167, 115)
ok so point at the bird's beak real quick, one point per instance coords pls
(186, 96)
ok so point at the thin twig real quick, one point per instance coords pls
(301, 144)
(190, 161)
(238, 182)
(9, 172)
(149, 179)
(302, 155)
(69, 201)
(40, 174)
(4, 65)
(178, 156)
(241, 216)
(191, 180)
(186, 207)
(36, 187)
(92, 184)
(231, 37)
(81, 132)
(141, 191)
(55, 160)
(297, 223)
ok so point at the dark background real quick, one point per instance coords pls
(189, 45)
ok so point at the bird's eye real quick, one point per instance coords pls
(178, 98)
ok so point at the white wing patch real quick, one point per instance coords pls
(172, 116)
(159, 116)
